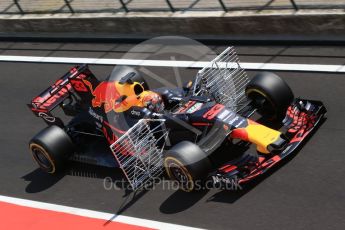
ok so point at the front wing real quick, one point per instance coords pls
(298, 125)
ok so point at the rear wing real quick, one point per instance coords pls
(56, 94)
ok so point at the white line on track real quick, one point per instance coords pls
(94, 214)
(182, 64)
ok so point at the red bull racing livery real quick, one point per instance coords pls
(199, 133)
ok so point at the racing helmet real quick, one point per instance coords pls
(153, 101)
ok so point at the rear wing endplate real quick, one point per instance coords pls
(49, 99)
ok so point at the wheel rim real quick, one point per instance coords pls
(41, 159)
(178, 173)
(181, 176)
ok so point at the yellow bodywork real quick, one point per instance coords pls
(117, 97)
(132, 99)
(257, 134)
(262, 136)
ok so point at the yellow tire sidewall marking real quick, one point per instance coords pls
(34, 145)
(178, 163)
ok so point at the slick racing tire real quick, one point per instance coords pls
(188, 165)
(122, 71)
(50, 148)
(270, 93)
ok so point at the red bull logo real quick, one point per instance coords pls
(105, 94)
(116, 96)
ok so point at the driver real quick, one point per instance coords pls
(153, 101)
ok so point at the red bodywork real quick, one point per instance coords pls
(104, 94)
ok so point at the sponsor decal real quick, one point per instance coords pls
(136, 113)
(194, 107)
(58, 90)
(210, 114)
(185, 107)
(235, 121)
(47, 117)
(172, 99)
(224, 114)
(157, 114)
(226, 183)
(104, 94)
(95, 115)
(78, 85)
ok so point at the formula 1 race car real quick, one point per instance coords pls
(178, 129)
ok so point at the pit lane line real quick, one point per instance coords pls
(92, 214)
(179, 64)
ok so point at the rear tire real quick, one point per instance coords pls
(51, 148)
(271, 94)
(187, 164)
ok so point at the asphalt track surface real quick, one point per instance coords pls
(305, 192)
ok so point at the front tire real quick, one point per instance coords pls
(50, 148)
(271, 94)
(187, 164)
